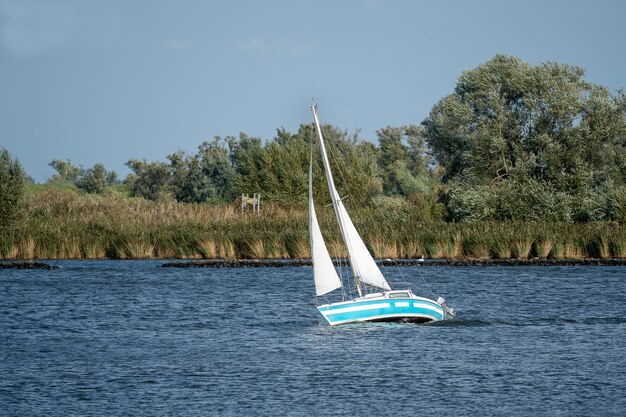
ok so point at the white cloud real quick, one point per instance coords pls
(31, 27)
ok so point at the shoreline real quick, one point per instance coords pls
(278, 263)
(284, 263)
(26, 265)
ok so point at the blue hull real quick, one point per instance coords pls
(415, 309)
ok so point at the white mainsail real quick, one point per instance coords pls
(361, 261)
(324, 273)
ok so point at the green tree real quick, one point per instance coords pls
(96, 179)
(284, 167)
(544, 125)
(12, 178)
(216, 175)
(248, 162)
(181, 167)
(65, 171)
(149, 180)
(403, 160)
(394, 160)
(279, 168)
(208, 176)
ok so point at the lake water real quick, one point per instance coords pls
(128, 338)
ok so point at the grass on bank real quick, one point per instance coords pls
(64, 224)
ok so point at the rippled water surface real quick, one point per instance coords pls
(128, 338)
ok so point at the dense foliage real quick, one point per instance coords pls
(64, 223)
(12, 178)
(513, 141)
(278, 169)
(93, 180)
(537, 154)
(517, 141)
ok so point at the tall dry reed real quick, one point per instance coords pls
(61, 224)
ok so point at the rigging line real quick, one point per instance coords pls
(356, 278)
(343, 288)
(400, 272)
(347, 243)
(328, 132)
(337, 259)
(423, 279)
(329, 135)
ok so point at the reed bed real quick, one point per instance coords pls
(61, 224)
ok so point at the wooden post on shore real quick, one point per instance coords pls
(255, 201)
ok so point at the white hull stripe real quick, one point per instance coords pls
(371, 306)
(429, 307)
(375, 306)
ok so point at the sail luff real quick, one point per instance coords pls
(334, 195)
(324, 273)
(361, 261)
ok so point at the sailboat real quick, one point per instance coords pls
(376, 301)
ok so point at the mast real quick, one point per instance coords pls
(324, 273)
(334, 195)
(363, 266)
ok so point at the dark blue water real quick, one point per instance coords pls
(128, 338)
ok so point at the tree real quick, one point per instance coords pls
(149, 180)
(403, 160)
(12, 178)
(207, 176)
(216, 170)
(393, 160)
(544, 125)
(65, 171)
(284, 167)
(96, 179)
(247, 160)
(354, 163)
(507, 118)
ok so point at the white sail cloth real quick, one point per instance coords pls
(361, 261)
(324, 273)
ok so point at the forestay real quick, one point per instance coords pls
(324, 273)
(362, 263)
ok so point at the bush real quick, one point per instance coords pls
(606, 203)
(528, 200)
(12, 178)
(95, 180)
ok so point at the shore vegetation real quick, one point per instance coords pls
(519, 161)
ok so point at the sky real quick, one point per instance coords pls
(109, 81)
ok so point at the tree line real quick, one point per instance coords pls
(224, 168)
(512, 141)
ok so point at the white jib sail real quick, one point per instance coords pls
(324, 273)
(363, 264)
(361, 261)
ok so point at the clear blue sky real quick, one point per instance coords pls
(107, 81)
